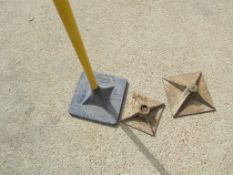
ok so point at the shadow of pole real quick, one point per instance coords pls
(144, 150)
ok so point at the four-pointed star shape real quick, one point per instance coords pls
(188, 94)
(102, 98)
(143, 114)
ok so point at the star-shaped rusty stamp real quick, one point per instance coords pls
(188, 94)
(143, 113)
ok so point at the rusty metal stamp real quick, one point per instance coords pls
(188, 94)
(143, 114)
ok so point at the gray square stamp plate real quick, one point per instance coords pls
(103, 105)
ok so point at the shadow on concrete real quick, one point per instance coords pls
(142, 148)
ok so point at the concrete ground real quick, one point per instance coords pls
(141, 40)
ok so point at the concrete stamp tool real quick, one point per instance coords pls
(188, 94)
(143, 114)
(98, 97)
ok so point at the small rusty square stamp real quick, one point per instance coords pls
(143, 113)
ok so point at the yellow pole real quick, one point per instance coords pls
(67, 17)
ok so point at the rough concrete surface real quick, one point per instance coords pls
(141, 40)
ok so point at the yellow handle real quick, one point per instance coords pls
(67, 17)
